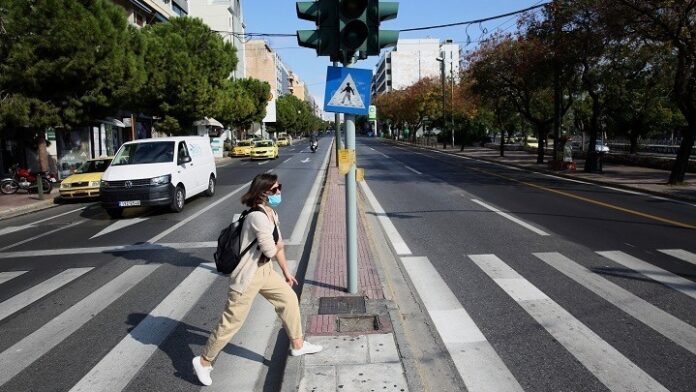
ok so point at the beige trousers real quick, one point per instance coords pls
(271, 286)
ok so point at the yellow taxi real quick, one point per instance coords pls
(283, 141)
(264, 149)
(242, 149)
(85, 182)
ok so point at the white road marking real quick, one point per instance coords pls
(262, 163)
(287, 160)
(511, 218)
(413, 170)
(610, 367)
(26, 351)
(13, 229)
(305, 160)
(394, 237)
(477, 362)
(310, 203)
(657, 274)
(125, 360)
(39, 291)
(42, 235)
(9, 275)
(680, 254)
(118, 225)
(664, 323)
(196, 215)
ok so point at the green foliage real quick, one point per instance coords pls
(187, 65)
(64, 62)
(294, 116)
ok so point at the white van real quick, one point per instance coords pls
(154, 172)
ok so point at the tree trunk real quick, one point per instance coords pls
(682, 161)
(541, 148)
(42, 151)
(502, 144)
(633, 139)
(592, 162)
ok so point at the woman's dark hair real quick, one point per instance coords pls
(256, 193)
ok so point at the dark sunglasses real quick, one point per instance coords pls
(276, 189)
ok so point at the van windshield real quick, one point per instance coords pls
(139, 153)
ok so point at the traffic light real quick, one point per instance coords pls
(353, 30)
(325, 39)
(379, 11)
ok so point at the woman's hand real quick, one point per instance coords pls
(290, 278)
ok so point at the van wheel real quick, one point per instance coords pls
(114, 213)
(178, 199)
(211, 187)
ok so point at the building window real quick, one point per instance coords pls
(178, 10)
(139, 20)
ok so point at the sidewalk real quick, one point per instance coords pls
(360, 350)
(642, 179)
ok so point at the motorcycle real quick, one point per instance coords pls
(313, 146)
(24, 179)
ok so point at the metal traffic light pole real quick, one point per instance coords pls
(351, 203)
(337, 126)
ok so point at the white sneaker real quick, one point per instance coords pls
(307, 348)
(203, 372)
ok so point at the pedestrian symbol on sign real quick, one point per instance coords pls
(346, 96)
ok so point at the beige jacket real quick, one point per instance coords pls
(256, 225)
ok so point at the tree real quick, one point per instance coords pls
(241, 102)
(64, 63)
(187, 66)
(671, 24)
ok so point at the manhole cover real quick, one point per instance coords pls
(342, 305)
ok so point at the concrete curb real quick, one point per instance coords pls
(560, 174)
(29, 208)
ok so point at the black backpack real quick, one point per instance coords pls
(229, 252)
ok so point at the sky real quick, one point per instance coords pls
(279, 16)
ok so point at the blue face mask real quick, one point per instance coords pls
(274, 200)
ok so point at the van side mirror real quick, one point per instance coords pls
(183, 160)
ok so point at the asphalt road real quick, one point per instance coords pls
(539, 283)
(89, 303)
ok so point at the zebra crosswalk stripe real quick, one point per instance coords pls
(664, 323)
(39, 291)
(124, 361)
(680, 254)
(6, 276)
(657, 274)
(26, 351)
(477, 362)
(614, 370)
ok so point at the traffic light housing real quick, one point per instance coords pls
(379, 11)
(325, 38)
(353, 29)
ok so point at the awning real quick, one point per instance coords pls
(113, 121)
(209, 121)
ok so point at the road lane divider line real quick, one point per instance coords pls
(671, 280)
(413, 170)
(13, 229)
(511, 218)
(29, 296)
(680, 254)
(310, 203)
(28, 350)
(397, 242)
(9, 275)
(475, 359)
(118, 225)
(262, 163)
(110, 249)
(42, 235)
(664, 323)
(611, 368)
(197, 214)
(115, 370)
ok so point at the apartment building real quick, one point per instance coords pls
(415, 59)
(145, 12)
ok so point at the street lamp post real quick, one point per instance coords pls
(442, 79)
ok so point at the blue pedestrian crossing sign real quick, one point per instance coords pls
(347, 90)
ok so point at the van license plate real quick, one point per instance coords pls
(129, 203)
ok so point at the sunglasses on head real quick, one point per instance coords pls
(276, 189)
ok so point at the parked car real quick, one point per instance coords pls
(600, 146)
(283, 141)
(153, 172)
(85, 182)
(242, 149)
(264, 149)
